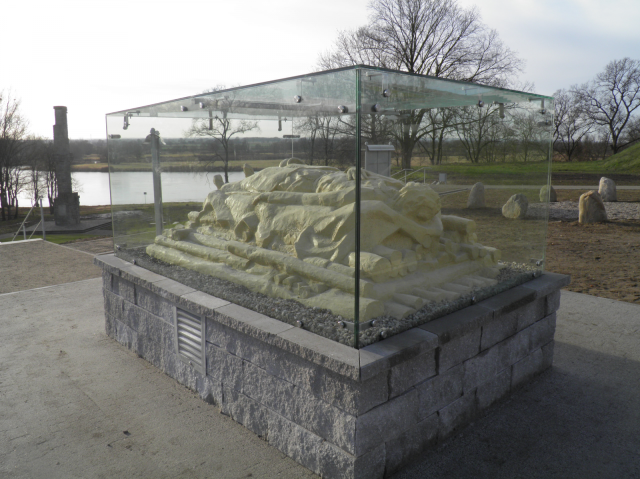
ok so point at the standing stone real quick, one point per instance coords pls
(550, 192)
(516, 207)
(591, 208)
(218, 181)
(476, 196)
(66, 206)
(607, 189)
(248, 171)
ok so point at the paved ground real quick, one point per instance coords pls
(71, 399)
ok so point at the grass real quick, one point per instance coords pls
(512, 173)
(174, 165)
(626, 160)
(58, 239)
(497, 173)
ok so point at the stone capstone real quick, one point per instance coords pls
(516, 207)
(548, 191)
(591, 208)
(607, 189)
(476, 196)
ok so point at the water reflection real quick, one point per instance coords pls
(129, 187)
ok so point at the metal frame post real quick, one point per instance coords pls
(356, 321)
(154, 138)
(44, 233)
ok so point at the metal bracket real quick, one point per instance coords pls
(351, 326)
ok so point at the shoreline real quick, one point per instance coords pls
(165, 169)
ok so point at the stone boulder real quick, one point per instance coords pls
(591, 208)
(550, 192)
(607, 189)
(516, 207)
(476, 196)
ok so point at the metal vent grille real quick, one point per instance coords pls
(190, 339)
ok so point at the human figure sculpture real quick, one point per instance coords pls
(289, 232)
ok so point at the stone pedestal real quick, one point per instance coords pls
(341, 412)
(67, 209)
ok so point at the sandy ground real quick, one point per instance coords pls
(602, 259)
(39, 263)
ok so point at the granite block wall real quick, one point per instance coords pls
(340, 412)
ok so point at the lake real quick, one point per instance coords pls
(129, 187)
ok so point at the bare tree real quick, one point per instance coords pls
(309, 125)
(476, 129)
(34, 167)
(50, 179)
(432, 143)
(571, 123)
(13, 131)
(221, 128)
(322, 131)
(531, 134)
(632, 132)
(429, 37)
(612, 97)
(327, 128)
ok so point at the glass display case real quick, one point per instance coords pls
(355, 203)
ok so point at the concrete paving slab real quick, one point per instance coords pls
(578, 420)
(76, 404)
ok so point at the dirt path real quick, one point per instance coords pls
(602, 259)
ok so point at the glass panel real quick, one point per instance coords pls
(253, 196)
(427, 248)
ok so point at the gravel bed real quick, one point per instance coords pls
(568, 211)
(322, 321)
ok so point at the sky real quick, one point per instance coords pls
(100, 56)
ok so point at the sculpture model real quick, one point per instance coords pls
(289, 232)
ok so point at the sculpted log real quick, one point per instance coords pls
(289, 232)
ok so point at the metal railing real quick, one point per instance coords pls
(408, 172)
(23, 226)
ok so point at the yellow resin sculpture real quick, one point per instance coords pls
(289, 232)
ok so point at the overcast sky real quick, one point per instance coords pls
(99, 56)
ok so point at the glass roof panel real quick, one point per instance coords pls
(330, 93)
